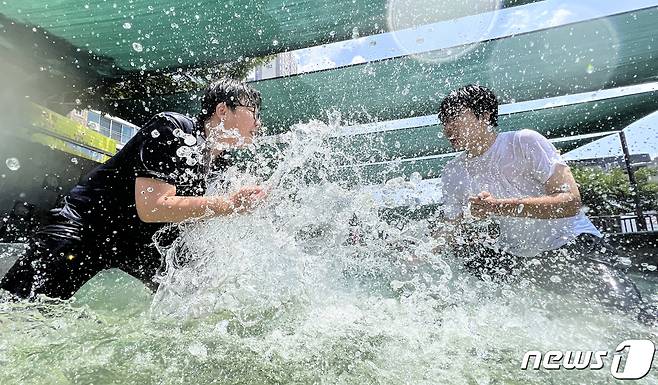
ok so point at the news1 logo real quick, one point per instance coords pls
(632, 360)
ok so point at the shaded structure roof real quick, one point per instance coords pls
(112, 38)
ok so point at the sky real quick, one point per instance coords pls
(415, 37)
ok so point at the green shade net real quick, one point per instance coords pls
(587, 56)
(151, 35)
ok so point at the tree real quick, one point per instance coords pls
(130, 95)
(609, 193)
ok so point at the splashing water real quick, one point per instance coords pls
(313, 287)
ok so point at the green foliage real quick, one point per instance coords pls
(609, 193)
(179, 81)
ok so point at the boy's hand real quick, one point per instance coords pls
(247, 198)
(484, 205)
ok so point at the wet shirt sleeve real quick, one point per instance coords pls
(540, 156)
(163, 154)
(454, 192)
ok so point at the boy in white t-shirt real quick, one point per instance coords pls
(520, 181)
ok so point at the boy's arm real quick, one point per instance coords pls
(561, 200)
(156, 202)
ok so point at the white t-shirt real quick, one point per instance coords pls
(517, 165)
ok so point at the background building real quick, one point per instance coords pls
(284, 64)
(110, 126)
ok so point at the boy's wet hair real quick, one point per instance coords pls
(478, 99)
(230, 91)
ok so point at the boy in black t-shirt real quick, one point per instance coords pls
(108, 219)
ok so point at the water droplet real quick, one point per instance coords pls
(137, 47)
(183, 152)
(625, 261)
(396, 285)
(13, 164)
(198, 350)
(74, 160)
(355, 33)
(275, 42)
(155, 133)
(332, 34)
(191, 161)
(149, 189)
(179, 133)
(590, 68)
(519, 208)
(556, 279)
(189, 140)
(127, 25)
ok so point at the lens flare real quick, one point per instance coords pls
(464, 23)
(559, 58)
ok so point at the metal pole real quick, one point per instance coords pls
(641, 224)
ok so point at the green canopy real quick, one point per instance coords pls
(111, 38)
(587, 56)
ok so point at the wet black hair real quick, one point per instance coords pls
(479, 99)
(230, 91)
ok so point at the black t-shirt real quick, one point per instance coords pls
(167, 148)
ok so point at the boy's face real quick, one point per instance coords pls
(241, 125)
(464, 130)
(245, 122)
